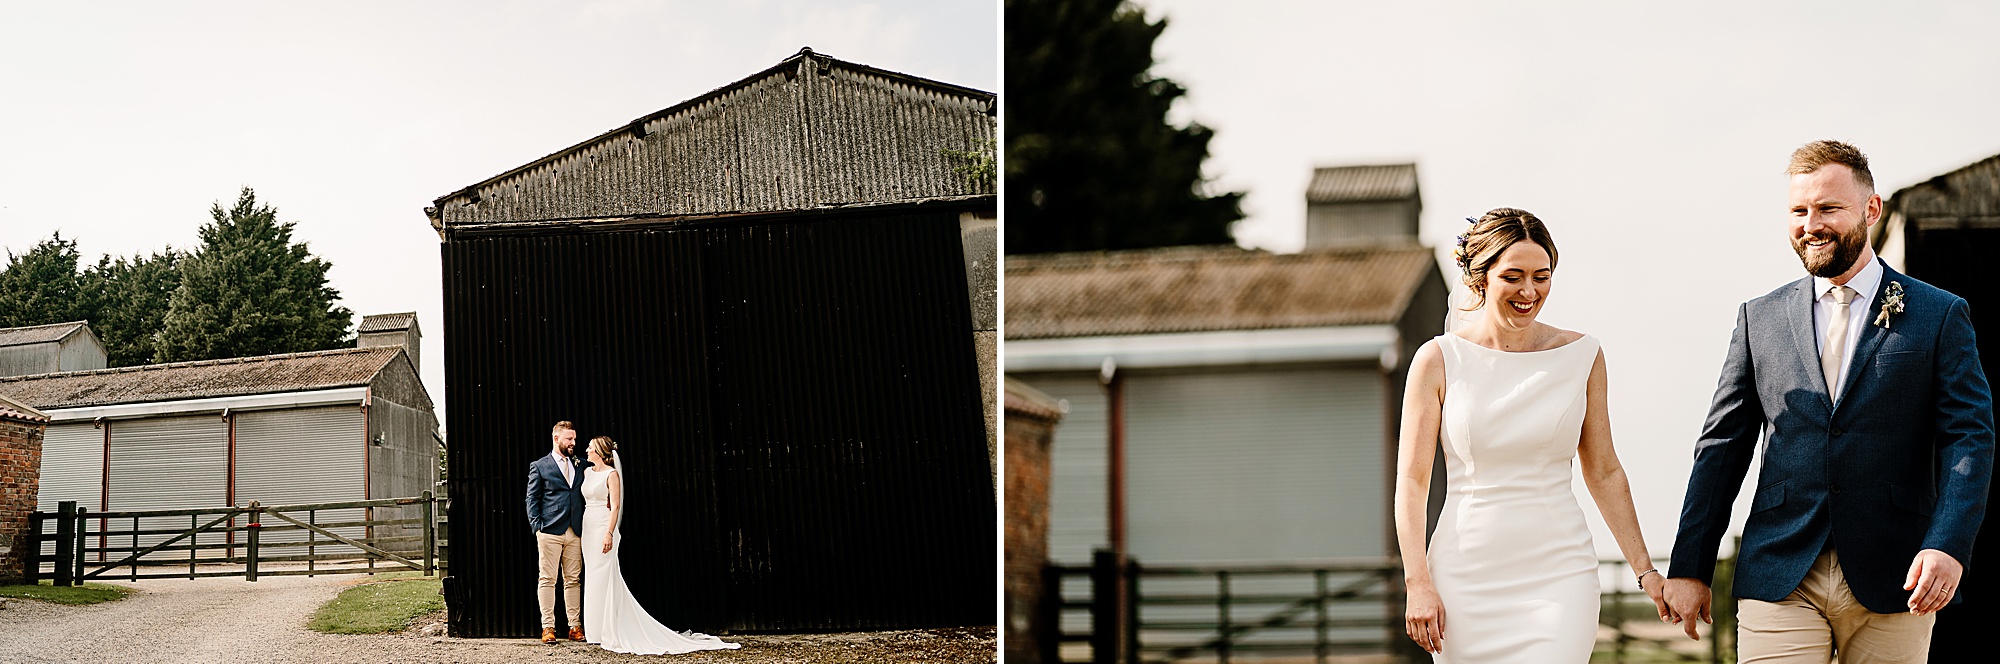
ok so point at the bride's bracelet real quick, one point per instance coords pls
(1642, 577)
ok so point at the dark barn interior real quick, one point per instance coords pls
(762, 295)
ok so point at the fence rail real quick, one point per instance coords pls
(1317, 610)
(73, 544)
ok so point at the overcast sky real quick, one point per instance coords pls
(1651, 138)
(120, 123)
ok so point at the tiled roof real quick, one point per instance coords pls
(387, 322)
(1196, 289)
(1348, 184)
(36, 334)
(15, 410)
(1024, 399)
(293, 372)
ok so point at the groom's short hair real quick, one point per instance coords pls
(561, 426)
(1811, 156)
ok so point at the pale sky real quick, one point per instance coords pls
(1651, 138)
(120, 123)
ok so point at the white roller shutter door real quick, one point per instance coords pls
(299, 456)
(167, 463)
(72, 467)
(1263, 465)
(1077, 466)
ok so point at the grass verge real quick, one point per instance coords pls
(88, 593)
(375, 608)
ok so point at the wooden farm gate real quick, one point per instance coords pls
(73, 545)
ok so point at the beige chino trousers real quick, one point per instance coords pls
(1821, 619)
(562, 553)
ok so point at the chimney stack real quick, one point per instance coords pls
(392, 330)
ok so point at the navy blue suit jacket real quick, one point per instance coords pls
(555, 504)
(1899, 465)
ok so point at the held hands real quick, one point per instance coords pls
(1933, 579)
(1687, 599)
(1423, 619)
(1655, 585)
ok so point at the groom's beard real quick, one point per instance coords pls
(1846, 248)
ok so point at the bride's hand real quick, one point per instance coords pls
(1655, 586)
(607, 545)
(1423, 617)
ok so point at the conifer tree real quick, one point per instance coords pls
(248, 290)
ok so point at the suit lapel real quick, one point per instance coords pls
(1803, 336)
(1871, 334)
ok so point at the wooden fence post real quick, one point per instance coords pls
(1106, 615)
(67, 521)
(82, 544)
(250, 554)
(430, 533)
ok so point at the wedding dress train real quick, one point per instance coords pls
(612, 618)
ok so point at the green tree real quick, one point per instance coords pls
(1091, 161)
(128, 301)
(40, 286)
(248, 290)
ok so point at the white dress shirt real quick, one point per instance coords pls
(1864, 284)
(563, 462)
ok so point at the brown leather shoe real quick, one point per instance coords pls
(548, 635)
(576, 633)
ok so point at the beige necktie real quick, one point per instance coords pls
(1833, 357)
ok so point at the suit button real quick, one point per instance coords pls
(1836, 432)
(1835, 488)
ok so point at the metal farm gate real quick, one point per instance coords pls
(797, 401)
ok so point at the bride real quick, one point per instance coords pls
(616, 621)
(1510, 574)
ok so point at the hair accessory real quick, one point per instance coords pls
(1458, 253)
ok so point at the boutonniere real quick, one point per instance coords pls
(1892, 304)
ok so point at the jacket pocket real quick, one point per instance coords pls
(1902, 356)
(1915, 500)
(1768, 497)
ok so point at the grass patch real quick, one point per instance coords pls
(376, 608)
(88, 593)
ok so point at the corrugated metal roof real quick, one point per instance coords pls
(387, 322)
(37, 334)
(810, 133)
(15, 410)
(347, 367)
(1969, 194)
(1349, 184)
(1196, 289)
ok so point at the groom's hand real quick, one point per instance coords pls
(1933, 580)
(1688, 598)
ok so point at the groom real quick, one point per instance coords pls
(555, 509)
(1878, 444)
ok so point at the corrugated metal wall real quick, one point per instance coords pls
(798, 402)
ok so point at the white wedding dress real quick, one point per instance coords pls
(611, 617)
(1512, 557)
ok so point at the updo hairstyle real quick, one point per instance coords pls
(1490, 235)
(604, 447)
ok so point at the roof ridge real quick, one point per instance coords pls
(202, 363)
(84, 321)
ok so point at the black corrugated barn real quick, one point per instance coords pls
(1945, 231)
(762, 293)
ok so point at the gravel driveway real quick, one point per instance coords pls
(232, 620)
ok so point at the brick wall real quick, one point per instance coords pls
(20, 479)
(1032, 418)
